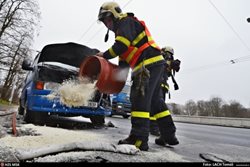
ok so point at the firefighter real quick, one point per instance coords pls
(172, 66)
(135, 46)
(167, 53)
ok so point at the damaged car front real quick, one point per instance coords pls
(50, 68)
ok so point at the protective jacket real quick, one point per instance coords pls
(134, 44)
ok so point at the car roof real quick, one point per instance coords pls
(67, 53)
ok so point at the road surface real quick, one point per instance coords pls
(198, 143)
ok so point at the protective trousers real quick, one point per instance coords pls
(153, 102)
(154, 128)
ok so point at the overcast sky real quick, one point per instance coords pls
(205, 34)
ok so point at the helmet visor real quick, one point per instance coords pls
(104, 14)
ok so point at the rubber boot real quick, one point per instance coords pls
(169, 140)
(167, 130)
(142, 144)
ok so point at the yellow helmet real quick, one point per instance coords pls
(108, 9)
(168, 49)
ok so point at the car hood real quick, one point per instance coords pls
(67, 53)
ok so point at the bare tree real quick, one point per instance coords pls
(175, 108)
(191, 107)
(18, 14)
(203, 108)
(215, 105)
(234, 109)
(19, 21)
(12, 70)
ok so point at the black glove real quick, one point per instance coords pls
(175, 65)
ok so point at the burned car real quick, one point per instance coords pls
(53, 65)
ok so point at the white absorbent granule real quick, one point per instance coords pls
(75, 93)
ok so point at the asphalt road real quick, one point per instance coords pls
(215, 134)
(204, 142)
(198, 143)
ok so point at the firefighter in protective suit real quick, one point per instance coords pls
(135, 46)
(172, 66)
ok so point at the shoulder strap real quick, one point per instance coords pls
(176, 87)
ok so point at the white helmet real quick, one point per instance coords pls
(168, 49)
(108, 9)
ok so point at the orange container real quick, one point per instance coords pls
(106, 73)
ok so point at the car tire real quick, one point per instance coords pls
(20, 110)
(35, 117)
(97, 120)
(125, 116)
(27, 116)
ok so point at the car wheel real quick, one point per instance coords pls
(125, 116)
(97, 120)
(35, 117)
(111, 114)
(27, 116)
(20, 110)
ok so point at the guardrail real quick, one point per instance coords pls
(221, 121)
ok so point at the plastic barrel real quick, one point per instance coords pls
(100, 69)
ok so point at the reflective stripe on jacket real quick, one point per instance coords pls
(132, 54)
